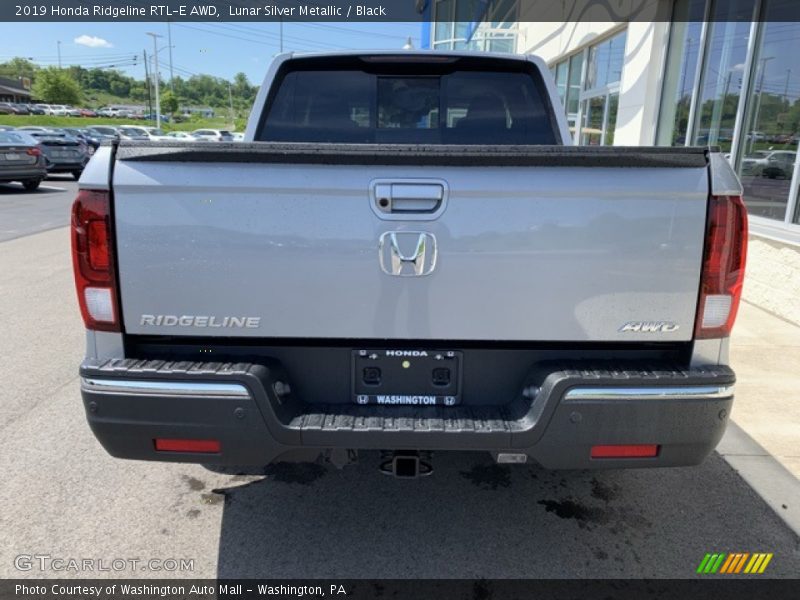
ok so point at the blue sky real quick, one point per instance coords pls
(220, 49)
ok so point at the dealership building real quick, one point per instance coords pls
(682, 72)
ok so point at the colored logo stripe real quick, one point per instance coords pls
(734, 563)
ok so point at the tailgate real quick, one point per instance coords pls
(514, 243)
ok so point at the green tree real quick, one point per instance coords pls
(18, 67)
(55, 86)
(169, 103)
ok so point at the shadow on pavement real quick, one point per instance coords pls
(473, 518)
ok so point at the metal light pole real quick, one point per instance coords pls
(786, 87)
(155, 37)
(58, 46)
(230, 99)
(171, 74)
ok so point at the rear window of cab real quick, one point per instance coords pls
(458, 102)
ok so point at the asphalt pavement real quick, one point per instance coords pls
(23, 213)
(64, 497)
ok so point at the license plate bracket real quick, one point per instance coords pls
(407, 377)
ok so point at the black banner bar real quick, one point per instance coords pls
(374, 10)
(734, 587)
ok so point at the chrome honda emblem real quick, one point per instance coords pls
(407, 253)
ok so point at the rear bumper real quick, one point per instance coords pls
(560, 413)
(64, 166)
(23, 173)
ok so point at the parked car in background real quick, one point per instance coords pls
(128, 132)
(86, 112)
(63, 153)
(7, 108)
(21, 160)
(58, 110)
(184, 136)
(152, 117)
(81, 134)
(72, 111)
(103, 132)
(768, 163)
(213, 135)
(34, 109)
(237, 136)
(780, 165)
(32, 128)
(155, 134)
(45, 108)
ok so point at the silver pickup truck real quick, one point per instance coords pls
(406, 254)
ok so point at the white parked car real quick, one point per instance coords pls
(58, 110)
(184, 136)
(238, 136)
(155, 134)
(769, 163)
(128, 132)
(213, 135)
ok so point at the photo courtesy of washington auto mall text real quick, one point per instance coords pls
(372, 299)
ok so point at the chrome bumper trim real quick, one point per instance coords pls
(711, 392)
(135, 387)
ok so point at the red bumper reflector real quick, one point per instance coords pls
(207, 446)
(626, 451)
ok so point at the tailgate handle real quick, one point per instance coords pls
(408, 198)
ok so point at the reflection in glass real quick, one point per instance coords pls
(722, 76)
(611, 121)
(681, 68)
(605, 62)
(768, 150)
(593, 114)
(574, 88)
(561, 80)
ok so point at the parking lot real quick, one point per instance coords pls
(64, 497)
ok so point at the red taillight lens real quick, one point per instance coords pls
(93, 260)
(169, 445)
(625, 451)
(33, 152)
(723, 267)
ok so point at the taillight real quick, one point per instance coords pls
(723, 267)
(33, 152)
(93, 260)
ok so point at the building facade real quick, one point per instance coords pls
(15, 90)
(685, 72)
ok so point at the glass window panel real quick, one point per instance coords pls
(611, 120)
(501, 45)
(462, 30)
(721, 81)
(444, 20)
(605, 62)
(574, 89)
(592, 129)
(680, 72)
(768, 151)
(560, 74)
